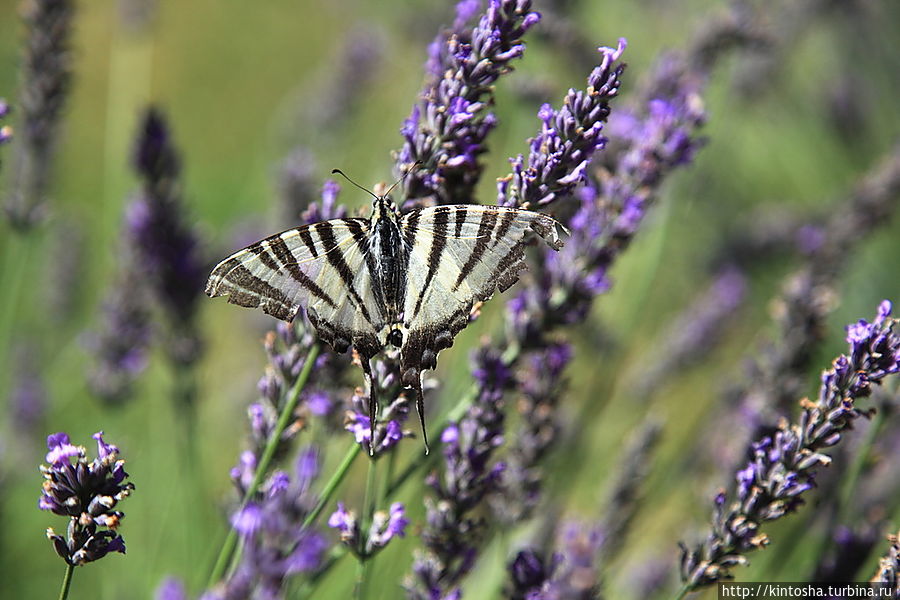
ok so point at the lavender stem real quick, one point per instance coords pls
(67, 581)
(368, 508)
(226, 554)
(332, 484)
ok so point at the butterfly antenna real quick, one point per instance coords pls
(402, 177)
(344, 175)
(420, 408)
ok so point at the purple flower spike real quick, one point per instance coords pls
(87, 493)
(167, 248)
(447, 129)
(562, 150)
(171, 589)
(384, 527)
(275, 544)
(387, 526)
(6, 132)
(46, 79)
(470, 475)
(784, 464)
(389, 422)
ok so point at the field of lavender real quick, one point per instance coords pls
(697, 387)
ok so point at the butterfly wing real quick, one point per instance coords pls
(460, 255)
(320, 268)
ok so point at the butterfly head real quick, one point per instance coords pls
(383, 207)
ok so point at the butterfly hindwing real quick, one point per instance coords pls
(460, 255)
(318, 267)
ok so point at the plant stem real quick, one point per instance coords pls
(265, 461)
(362, 555)
(685, 588)
(332, 485)
(67, 581)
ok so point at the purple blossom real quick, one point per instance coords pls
(87, 493)
(167, 249)
(6, 131)
(384, 527)
(784, 464)
(447, 129)
(571, 573)
(527, 574)
(275, 544)
(888, 571)
(46, 78)
(328, 208)
(287, 349)
(171, 589)
(394, 409)
(561, 152)
(297, 185)
(470, 474)
(541, 388)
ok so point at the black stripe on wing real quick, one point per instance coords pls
(325, 231)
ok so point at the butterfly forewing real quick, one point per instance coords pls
(319, 267)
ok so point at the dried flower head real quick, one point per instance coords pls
(87, 493)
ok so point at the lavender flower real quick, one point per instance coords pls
(889, 566)
(541, 386)
(527, 574)
(452, 534)
(6, 132)
(785, 464)
(46, 75)
(167, 250)
(170, 589)
(394, 410)
(297, 184)
(808, 296)
(328, 208)
(87, 493)
(384, 527)
(287, 349)
(447, 129)
(568, 139)
(275, 544)
(570, 573)
(121, 347)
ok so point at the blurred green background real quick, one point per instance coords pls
(237, 81)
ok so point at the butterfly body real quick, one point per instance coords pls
(408, 280)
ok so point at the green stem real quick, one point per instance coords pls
(332, 485)
(685, 588)
(67, 581)
(362, 554)
(265, 461)
(362, 576)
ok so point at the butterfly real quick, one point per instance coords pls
(408, 280)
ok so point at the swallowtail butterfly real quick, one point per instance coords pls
(408, 280)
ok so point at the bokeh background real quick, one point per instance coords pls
(792, 127)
